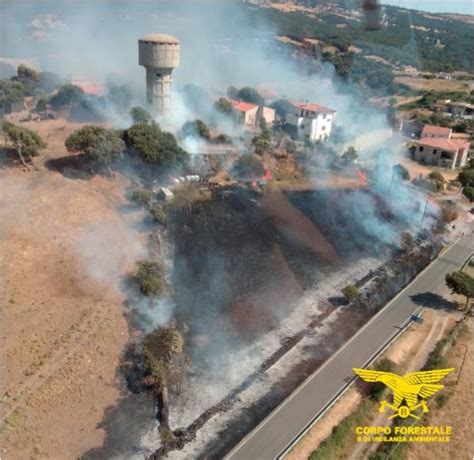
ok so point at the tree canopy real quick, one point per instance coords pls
(196, 128)
(248, 167)
(251, 95)
(67, 95)
(461, 283)
(149, 278)
(224, 106)
(350, 156)
(25, 142)
(154, 145)
(140, 115)
(100, 144)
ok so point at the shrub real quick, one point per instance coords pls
(158, 213)
(469, 193)
(141, 196)
(248, 167)
(437, 176)
(351, 292)
(149, 277)
(466, 177)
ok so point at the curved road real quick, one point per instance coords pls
(271, 438)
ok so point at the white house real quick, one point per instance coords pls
(312, 122)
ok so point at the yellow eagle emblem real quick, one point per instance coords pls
(408, 388)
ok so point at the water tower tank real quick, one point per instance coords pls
(159, 54)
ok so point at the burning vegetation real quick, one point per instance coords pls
(269, 223)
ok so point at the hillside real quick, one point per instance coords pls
(429, 42)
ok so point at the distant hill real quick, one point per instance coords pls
(427, 41)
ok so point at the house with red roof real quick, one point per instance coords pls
(311, 122)
(250, 114)
(439, 132)
(436, 147)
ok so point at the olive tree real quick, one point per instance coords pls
(25, 142)
(101, 145)
(461, 283)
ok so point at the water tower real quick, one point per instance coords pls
(159, 54)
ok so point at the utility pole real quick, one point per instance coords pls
(424, 212)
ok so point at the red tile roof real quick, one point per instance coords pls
(451, 145)
(437, 130)
(315, 108)
(242, 106)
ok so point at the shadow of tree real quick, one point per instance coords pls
(431, 300)
(71, 166)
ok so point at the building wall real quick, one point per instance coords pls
(439, 157)
(312, 127)
(267, 114)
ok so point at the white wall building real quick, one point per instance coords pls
(312, 122)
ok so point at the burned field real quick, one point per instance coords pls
(257, 281)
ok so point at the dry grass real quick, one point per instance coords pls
(423, 84)
(457, 411)
(62, 307)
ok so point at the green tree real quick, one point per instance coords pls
(461, 283)
(150, 278)
(250, 95)
(48, 82)
(351, 292)
(261, 142)
(350, 156)
(196, 128)
(25, 142)
(140, 115)
(142, 197)
(224, 106)
(101, 145)
(10, 92)
(28, 77)
(248, 167)
(41, 104)
(162, 350)
(154, 145)
(67, 95)
(435, 175)
(466, 177)
(468, 192)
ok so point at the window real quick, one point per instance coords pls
(324, 116)
(323, 128)
(420, 148)
(434, 151)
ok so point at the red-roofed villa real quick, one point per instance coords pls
(437, 148)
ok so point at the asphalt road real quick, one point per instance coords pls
(271, 437)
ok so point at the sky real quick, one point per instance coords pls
(436, 6)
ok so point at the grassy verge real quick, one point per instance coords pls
(342, 436)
